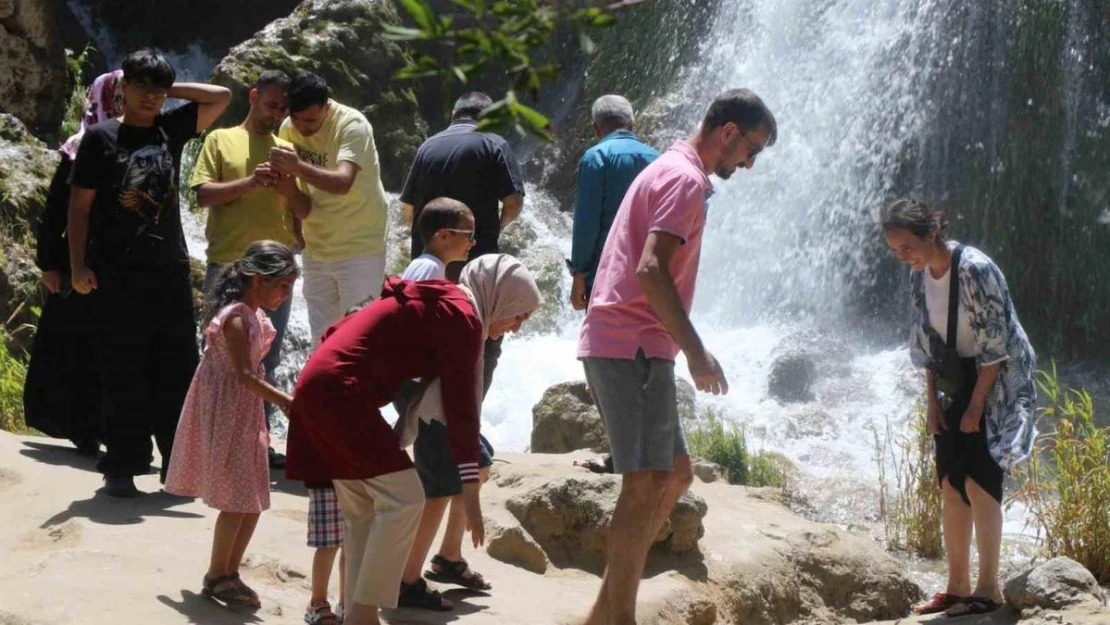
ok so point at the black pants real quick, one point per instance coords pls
(148, 355)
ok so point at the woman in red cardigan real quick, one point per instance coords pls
(422, 330)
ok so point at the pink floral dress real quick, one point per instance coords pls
(220, 450)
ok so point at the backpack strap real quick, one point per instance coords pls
(954, 297)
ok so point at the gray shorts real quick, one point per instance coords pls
(639, 407)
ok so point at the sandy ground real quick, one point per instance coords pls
(72, 555)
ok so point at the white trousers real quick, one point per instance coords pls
(332, 287)
(382, 514)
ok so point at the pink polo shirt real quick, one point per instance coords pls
(668, 196)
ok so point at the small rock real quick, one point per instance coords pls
(1056, 584)
(709, 472)
(565, 419)
(569, 518)
(514, 546)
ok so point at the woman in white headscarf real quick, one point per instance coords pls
(424, 330)
(61, 395)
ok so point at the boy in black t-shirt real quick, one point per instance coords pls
(128, 254)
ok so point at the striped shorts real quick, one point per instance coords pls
(325, 519)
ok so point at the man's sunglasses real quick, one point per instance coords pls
(469, 233)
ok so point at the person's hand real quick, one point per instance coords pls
(284, 160)
(578, 295)
(285, 184)
(473, 506)
(285, 404)
(973, 416)
(707, 373)
(934, 421)
(52, 280)
(264, 176)
(84, 280)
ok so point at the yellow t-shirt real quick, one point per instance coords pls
(341, 227)
(231, 154)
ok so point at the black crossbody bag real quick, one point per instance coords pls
(953, 376)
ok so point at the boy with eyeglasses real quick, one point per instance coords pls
(127, 253)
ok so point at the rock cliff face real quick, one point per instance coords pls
(33, 80)
(24, 180)
(342, 41)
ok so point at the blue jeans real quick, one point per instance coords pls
(280, 319)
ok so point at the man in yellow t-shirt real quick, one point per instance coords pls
(247, 199)
(336, 162)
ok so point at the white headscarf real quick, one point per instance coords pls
(500, 287)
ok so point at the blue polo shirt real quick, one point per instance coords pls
(604, 175)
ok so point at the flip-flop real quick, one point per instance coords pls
(939, 603)
(972, 606)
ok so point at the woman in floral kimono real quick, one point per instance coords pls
(980, 391)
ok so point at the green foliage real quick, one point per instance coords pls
(500, 35)
(75, 103)
(189, 154)
(728, 447)
(911, 514)
(13, 373)
(1066, 482)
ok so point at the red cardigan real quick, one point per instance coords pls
(416, 330)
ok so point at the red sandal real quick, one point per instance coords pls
(939, 603)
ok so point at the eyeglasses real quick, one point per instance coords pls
(146, 88)
(469, 233)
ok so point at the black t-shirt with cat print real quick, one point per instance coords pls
(136, 220)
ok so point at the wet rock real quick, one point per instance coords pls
(343, 41)
(792, 377)
(569, 518)
(565, 419)
(1056, 584)
(33, 80)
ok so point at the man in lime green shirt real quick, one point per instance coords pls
(247, 199)
(336, 162)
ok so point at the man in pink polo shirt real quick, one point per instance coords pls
(637, 322)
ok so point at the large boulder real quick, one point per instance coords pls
(33, 80)
(1056, 584)
(343, 41)
(569, 518)
(565, 419)
(25, 177)
(801, 360)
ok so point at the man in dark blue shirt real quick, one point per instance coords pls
(604, 174)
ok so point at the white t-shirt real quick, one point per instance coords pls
(425, 267)
(936, 302)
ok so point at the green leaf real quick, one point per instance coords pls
(421, 13)
(587, 43)
(603, 20)
(400, 33)
(459, 73)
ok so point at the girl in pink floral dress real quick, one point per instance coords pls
(220, 452)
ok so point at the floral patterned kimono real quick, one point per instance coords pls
(1011, 405)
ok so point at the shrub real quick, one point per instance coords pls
(13, 372)
(728, 447)
(911, 514)
(1066, 483)
(75, 103)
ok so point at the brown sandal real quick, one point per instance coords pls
(229, 590)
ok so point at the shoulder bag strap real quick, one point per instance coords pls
(954, 296)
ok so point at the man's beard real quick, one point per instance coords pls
(724, 174)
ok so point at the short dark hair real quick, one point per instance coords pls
(743, 108)
(915, 215)
(272, 78)
(470, 105)
(149, 66)
(442, 212)
(306, 90)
